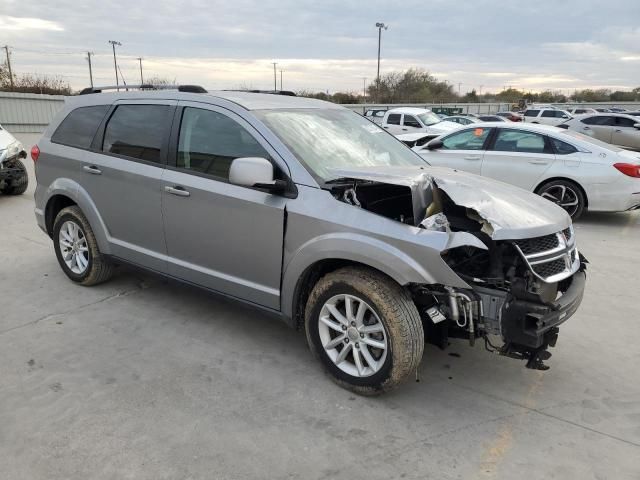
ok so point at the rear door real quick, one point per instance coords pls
(518, 157)
(598, 126)
(225, 237)
(122, 176)
(462, 150)
(625, 134)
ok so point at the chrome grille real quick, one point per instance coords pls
(552, 257)
(550, 269)
(538, 244)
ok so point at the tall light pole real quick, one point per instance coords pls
(115, 63)
(6, 49)
(380, 26)
(364, 90)
(281, 80)
(275, 77)
(90, 70)
(141, 78)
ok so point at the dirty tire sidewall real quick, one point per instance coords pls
(396, 311)
(99, 268)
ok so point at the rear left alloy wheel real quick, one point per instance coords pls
(365, 330)
(565, 194)
(77, 250)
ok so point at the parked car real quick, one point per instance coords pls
(618, 110)
(616, 128)
(375, 115)
(415, 120)
(633, 114)
(491, 118)
(414, 139)
(603, 110)
(546, 116)
(462, 119)
(512, 116)
(582, 111)
(13, 174)
(310, 212)
(574, 171)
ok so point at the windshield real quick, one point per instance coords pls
(326, 139)
(586, 138)
(429, 118)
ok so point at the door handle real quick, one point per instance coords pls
(177, 190)
(586, 128)
(384, 126)
(538, 162)
(404, 129)
(472, 157)
(617, 130)
(92, 169)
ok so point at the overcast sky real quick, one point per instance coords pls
(331, 45)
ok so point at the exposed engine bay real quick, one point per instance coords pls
(520, 288)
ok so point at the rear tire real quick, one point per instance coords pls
(565, 194)
(18, 185)
(77, 249)
(371, 354)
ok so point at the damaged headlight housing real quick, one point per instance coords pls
(11, 150)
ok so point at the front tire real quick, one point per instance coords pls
(565, 194)
(365, 330)
(19, 185)
(77, 249)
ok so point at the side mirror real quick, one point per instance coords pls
(565, 116)
(637, 125)
(255, 172)
(435, 144)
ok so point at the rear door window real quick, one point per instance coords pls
(549, 114)
(137, 131)
(473, 139)
(600, 120)
(531, 113)
(519, 141)
(625, 122)
(394, 119)
(562, 148)
(79, 127)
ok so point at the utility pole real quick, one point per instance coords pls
(364, 90)
(123, 80)
(90, 71)
(115, 63)
(280, 80)
(141, 78)
(481, 89)
(380, 26)
(6, 49)
(275, 77)
(459, 85)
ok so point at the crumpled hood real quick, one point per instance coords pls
(513, 213)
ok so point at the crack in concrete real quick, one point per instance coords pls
(49, 316)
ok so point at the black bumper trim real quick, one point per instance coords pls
(526, 323)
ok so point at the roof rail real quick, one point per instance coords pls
(272, 92)
(180, 88)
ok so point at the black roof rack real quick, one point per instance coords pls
(180, 88)
(271, 92)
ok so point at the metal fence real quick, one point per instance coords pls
(478, 108)
(28, 112)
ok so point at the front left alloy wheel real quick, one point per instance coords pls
(77, 250)
(365, 330)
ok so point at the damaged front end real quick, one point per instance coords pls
(520, 262)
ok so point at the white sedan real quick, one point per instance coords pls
(572, 170)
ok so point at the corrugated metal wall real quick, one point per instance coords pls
(28, 112)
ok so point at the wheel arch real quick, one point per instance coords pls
(65, 192)
(564, 179)
(325, 254)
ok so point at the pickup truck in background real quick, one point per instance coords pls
(400, 121)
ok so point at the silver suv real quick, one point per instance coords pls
(307, 210)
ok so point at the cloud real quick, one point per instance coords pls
(10, 24)
(333, 44)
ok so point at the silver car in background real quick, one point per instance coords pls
(310, 212)
(615, 128)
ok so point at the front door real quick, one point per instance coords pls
(518, 157)
(225, 237)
